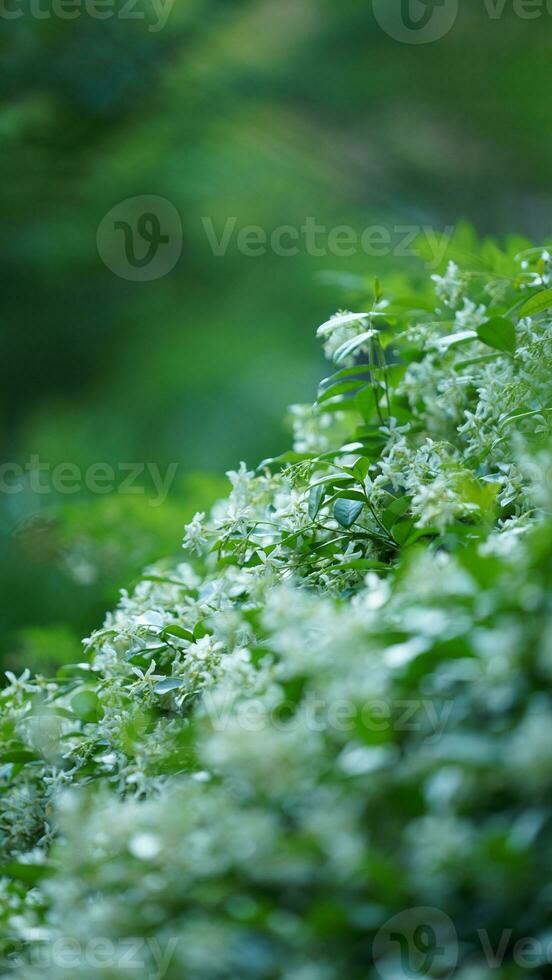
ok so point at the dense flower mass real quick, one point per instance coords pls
(319, 747)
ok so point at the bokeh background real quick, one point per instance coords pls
(269, 111)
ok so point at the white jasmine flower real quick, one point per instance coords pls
(450, 287)
(194, 537)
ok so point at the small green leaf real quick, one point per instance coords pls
(350, 494)
(361, 564)
(358, 372)
(342, 388)
(85, 705)
(498, 333)
(347, 511)
(395, 511)
(316, 496)
(443, 343)
(402, 530)
(361, 467)
(173, 629)
(200, 630)
(287, 457)
(168, 684)
(536, 304)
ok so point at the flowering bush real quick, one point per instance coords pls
(319, 746)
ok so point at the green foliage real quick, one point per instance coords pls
(336, 708)
(257, 111)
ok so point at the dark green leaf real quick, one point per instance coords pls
(28, 873)
(18, 755)
(402, 530)
(395, 511)
(347, 511)
(316, 496)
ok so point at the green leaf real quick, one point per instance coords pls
(347, 511)
(358, 372)
(362, 564)
(341, 388)
(29, 873)
(200, 630)
(316, 496)
(340, 320)
(334, 480)
(287, 457)
(361, 467)
(402, 530)
(69, 671)
(365, 402)
(536, 304)
(443, 343)
(469, 361)
(85, 705)
(168, 684)
(395, 511)
(350, 494)
(352, 345)
(173, 629)
(499, 333)
(338, 404)
(20, 756)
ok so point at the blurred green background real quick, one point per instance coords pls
(268, 112)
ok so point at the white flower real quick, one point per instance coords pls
(470, 317)
(346, 335)
(450, 287)
(194, 537)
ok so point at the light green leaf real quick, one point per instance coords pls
(499, 333)
(536, 304)
(173, 629)
(168, 684)
(443, 343)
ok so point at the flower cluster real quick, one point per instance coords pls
(336, 708)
